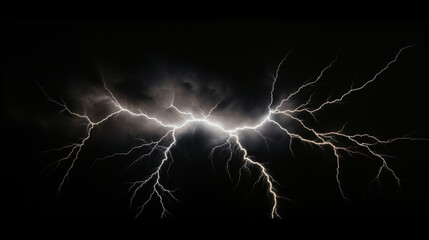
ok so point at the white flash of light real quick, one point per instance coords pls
(360, 143)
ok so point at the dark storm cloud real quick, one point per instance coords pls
(153, 89)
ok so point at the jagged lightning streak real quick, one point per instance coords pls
(359, 143)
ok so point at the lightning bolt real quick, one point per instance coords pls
(338, 142)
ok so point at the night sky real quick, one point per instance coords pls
(204, 62)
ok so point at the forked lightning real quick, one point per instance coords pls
(357, 143)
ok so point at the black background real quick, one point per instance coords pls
(241, 54)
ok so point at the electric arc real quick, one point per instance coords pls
(338, 142)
